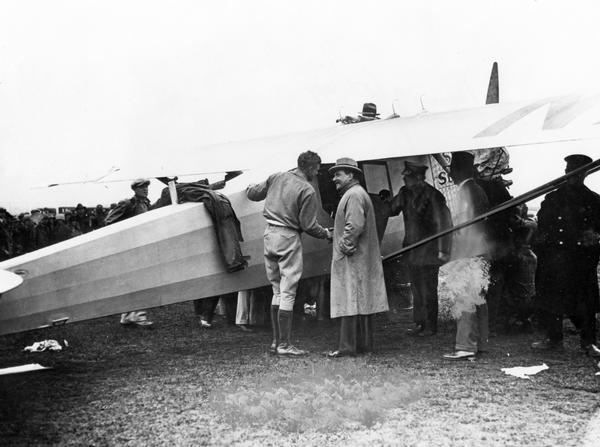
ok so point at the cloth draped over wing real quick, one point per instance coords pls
(225, 221)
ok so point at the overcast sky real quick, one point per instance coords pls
(86, 85)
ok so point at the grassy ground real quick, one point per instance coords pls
(180, 385)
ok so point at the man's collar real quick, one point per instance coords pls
(348, 186)
(299, 173)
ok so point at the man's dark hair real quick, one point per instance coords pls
(308, 159)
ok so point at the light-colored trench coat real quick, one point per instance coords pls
(357, 285)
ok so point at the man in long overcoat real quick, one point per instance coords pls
(568, 250)
(357, 284)
(425, 213)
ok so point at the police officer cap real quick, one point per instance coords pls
(462, 158)
(576, 161)
(411, 168)
(140, 183)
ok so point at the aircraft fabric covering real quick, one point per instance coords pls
(225, 221)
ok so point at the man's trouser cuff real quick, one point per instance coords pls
(286, 302)
(275, 300)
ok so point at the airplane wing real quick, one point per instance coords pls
(550, 120)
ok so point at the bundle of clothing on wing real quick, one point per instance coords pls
(226, 223)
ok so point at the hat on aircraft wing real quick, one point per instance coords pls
(369, 110)
(347, 164)
(140, 183)
(411, 168)
(576, 161)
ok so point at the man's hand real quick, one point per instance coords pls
(329, 232)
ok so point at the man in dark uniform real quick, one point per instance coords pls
(425, 214)
(568, 250)
(138, 204)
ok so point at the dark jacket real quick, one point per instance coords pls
(567, 252)
(227, 226)
(128, 208)
(425, 213)
(500, 226)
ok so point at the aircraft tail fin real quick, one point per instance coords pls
(493, 93)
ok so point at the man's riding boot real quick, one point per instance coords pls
(285, 333)
(275, 327)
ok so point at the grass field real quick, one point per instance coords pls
(178, 384)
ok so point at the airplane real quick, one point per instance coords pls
(171, 254)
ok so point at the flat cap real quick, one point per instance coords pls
(140, 183)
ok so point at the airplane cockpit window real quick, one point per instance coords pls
(327, 191)
(377, 177)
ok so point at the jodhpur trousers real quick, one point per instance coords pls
(283, 263)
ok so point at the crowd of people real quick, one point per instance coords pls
(26, 232)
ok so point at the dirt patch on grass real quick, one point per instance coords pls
(169, 386)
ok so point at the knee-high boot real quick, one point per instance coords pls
(275, 328)
(285, 333)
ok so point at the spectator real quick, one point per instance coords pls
(127, 208)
